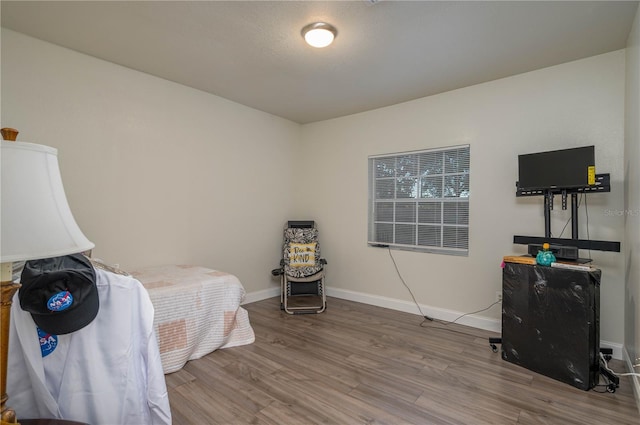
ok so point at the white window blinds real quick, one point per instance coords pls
(420, 200)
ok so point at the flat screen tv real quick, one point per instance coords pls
(560, 169)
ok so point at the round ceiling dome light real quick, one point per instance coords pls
(319, 34)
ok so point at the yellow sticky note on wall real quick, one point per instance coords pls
(591, 176)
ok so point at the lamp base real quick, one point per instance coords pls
(11, 416)
(7, 290)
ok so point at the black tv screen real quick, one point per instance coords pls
(560, 169)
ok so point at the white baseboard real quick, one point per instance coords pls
(634, 379)
(252, 297)
(475, 321)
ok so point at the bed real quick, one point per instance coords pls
(197, 311)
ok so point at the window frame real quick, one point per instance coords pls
(409, 195)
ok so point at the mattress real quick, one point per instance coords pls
(197, 311)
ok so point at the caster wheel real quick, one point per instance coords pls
(494, 348)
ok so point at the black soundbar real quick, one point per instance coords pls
(578, 243)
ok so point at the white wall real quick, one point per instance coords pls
(632, 204)
(155, 172)
(575, 104)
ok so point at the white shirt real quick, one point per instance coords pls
(107, 373)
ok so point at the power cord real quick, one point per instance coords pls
(569, 219)
(407, 286)
(427, 318)
(606, 366)
(586, 214)
(446, 322)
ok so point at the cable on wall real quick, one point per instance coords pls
(430, 319)
(586, 213)
(570, 218)
(451, 322)
(407, 286)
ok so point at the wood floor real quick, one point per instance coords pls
(360, 364)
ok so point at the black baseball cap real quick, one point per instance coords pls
(60, 293)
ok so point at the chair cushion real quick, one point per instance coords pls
(301, 252)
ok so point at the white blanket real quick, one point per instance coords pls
(197, 310)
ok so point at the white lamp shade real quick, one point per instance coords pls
(36, 221)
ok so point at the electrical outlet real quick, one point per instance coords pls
(499, 296)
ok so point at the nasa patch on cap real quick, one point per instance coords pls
(60, 293)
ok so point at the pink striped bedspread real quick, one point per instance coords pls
(197, 311)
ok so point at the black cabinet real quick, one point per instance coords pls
(550, 322)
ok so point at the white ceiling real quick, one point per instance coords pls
(386, 52)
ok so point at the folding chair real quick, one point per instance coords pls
(301, 270)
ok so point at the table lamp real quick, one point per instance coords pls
(35, 222)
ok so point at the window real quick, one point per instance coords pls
(420, 200)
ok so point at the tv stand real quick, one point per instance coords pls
(602, 185)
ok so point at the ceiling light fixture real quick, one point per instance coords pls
(319, 34)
